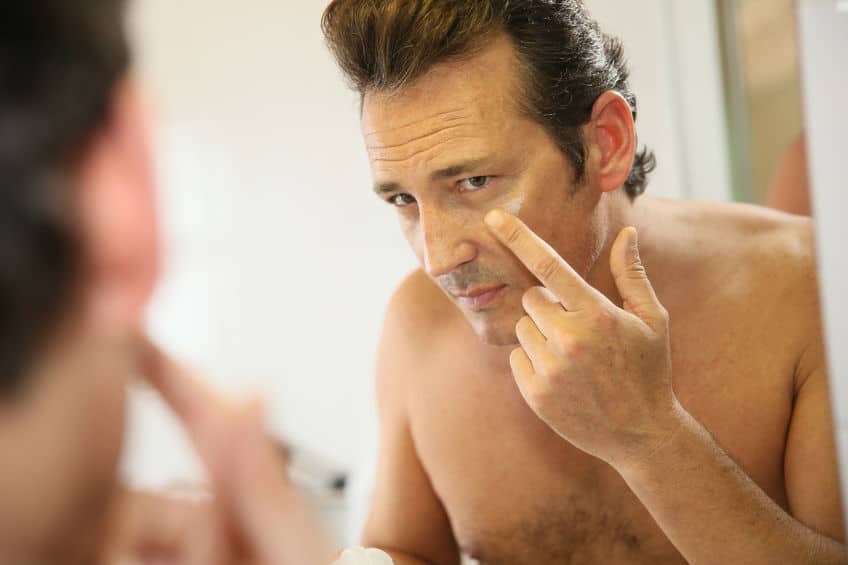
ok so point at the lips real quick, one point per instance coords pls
(479, 299)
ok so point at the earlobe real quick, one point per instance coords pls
(115, 182)
(613, 134)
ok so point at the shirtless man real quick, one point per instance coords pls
(550, 390)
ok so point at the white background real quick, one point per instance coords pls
(279, 259)
(824, 41)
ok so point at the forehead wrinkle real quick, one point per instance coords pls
(427, 137)
(446, 116)
(414, 139)
(420, 151)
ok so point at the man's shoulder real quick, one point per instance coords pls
(760, 262)
(773, 246)
(748, 261)
(419, 320)
(763, 243)
(419, 317)
(420, 306)
(751, 271)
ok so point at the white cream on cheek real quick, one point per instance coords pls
(513, 206)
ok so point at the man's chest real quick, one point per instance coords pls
(518, 493)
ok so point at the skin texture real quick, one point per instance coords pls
(656, 402)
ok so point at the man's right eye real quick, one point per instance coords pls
(401, 200)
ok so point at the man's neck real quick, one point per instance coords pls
(619, 212)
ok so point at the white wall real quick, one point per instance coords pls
(824, 41)
(279, 259)
(674, 53)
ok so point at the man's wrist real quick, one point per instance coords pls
(658, 457)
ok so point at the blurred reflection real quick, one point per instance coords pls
(763, 90)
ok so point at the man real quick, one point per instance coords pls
(550, 389)
(78, 261)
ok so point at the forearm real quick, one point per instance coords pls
(714, 513)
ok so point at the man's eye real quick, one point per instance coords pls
(401, 200)
(476, 183)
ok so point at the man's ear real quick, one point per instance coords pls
(611, 139)
(116, 186)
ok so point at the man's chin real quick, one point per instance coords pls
(491, 332)
(499, 339)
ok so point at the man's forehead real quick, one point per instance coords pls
(389, 118)
(480, 88)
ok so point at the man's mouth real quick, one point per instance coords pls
(480, 298)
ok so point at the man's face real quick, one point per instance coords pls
(452, 146)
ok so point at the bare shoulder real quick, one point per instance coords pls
(760, 263)
(417, 318)
(419, 308)
(771, 250)
(774, 251)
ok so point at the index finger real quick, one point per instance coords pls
(553, 271)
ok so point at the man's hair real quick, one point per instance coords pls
(567, 62)
(59, 63)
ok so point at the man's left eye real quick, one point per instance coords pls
(476, 183)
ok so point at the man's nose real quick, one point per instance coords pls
(446, 242)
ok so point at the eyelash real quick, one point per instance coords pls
(476, 188)
(393, 199)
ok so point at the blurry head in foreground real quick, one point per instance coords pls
(78, 257)
(481, 104)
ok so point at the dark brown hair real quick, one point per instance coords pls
(59, 63)
(567, 61)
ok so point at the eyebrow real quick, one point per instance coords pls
(446, 172)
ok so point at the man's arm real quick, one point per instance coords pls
(811, 469)
(407, 519)
(714, 513)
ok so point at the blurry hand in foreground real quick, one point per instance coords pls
(253, 516)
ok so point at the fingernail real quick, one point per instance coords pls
(495, 219)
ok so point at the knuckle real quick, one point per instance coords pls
(574, 348)
(632, 273)
(534, 394)
(513, 234)
(548, 267)
(548, 370)
(564, 343)
(604, 319)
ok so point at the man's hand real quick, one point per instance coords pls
(254, 516)
(597, 374)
